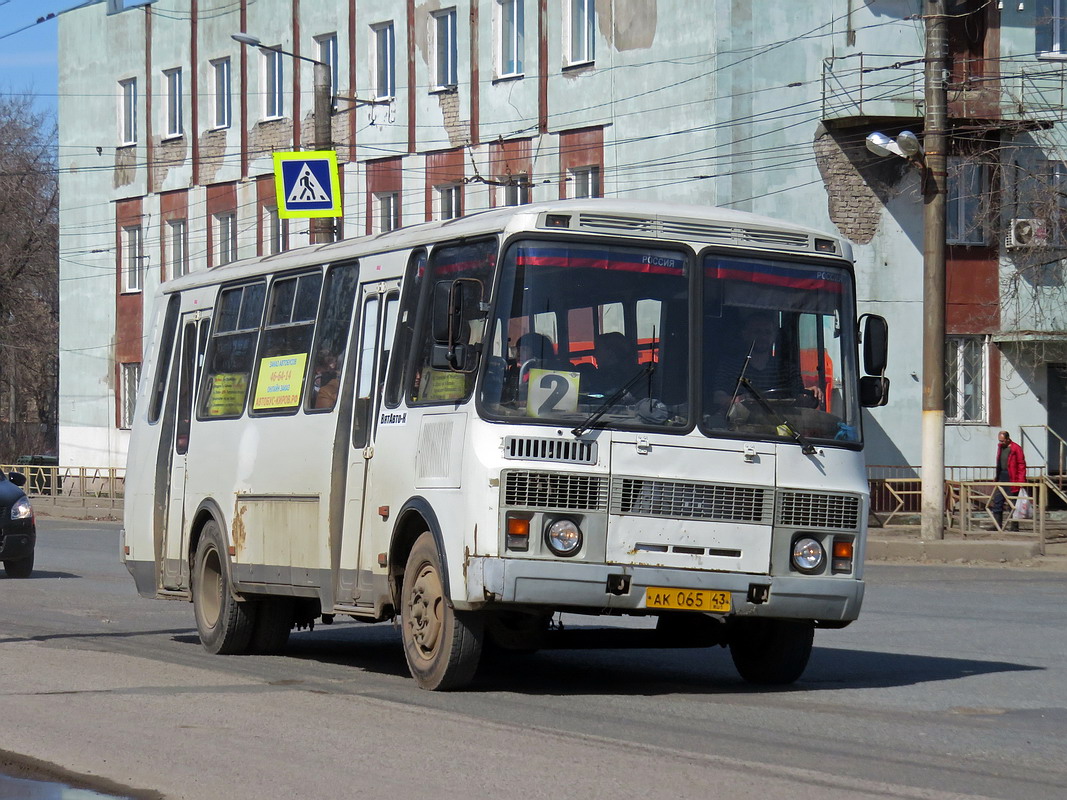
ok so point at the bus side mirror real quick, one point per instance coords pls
(874, 391)
(875, 344)
(455, 304)
(445, 310)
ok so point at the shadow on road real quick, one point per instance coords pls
(38, 574)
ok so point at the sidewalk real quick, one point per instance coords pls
(903, 543)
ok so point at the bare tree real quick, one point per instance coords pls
(29, 267)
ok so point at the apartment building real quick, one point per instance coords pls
(444, 107)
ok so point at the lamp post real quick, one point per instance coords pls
(933, 163)
(322, 229)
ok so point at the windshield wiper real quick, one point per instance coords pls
(610, 402)
(807, 448)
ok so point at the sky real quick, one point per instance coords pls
(28, 49)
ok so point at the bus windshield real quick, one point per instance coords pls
(778, 350)
(586, 329)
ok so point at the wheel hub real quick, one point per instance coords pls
(426, 613)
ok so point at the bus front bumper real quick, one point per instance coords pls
(598, 587)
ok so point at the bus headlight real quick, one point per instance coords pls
(808, 555)
(563, 537)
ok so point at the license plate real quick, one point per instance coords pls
(687, 599)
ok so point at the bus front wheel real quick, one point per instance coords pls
(771, 652)
(224, 625)
(442, 646)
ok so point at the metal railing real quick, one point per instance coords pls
(85, 485)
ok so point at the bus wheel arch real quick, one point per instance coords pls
(416, 517)
(224, 623)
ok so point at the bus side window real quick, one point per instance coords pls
(363, 407)
(476, 260)
(335, 314)
(166, 347)
(185, 388)
(232, 351)
(399, 368)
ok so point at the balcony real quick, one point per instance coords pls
(870, 86)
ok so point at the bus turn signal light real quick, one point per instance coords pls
(517, 534)
(842, 561)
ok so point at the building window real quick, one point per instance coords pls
(223, 108)
(172, 81)
(965, 379)
(277, 230)
(511, 29)
(965, 213)
(1050, 27)
(580, 26)
(585, 181)
(131, 375)
(178, 247)
(133, 259)
(445, 49)
(387, 211)
(384, 49)
(516, 190)
(327, 47)
(273, 84)
(225, 237)
(128, 113)
(450, 201)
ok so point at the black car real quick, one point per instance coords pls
(18, 532)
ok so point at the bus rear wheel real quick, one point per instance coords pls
(771, 652)
(442, 646)
(224, 624)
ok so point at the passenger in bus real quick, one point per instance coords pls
(326, 382)
(536, 349)
(616, 364)
(759, 358)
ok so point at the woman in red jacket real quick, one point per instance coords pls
(1010, 466)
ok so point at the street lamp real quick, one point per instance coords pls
(322, 229)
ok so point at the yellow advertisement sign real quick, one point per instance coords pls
(279, 382)
(227, 394)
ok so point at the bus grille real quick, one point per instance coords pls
(816, 510)
(677, 500)
(555, 490)
(537, 449)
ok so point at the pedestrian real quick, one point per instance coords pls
(1010, 468)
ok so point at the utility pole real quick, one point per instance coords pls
(935, 141)
(322, 228)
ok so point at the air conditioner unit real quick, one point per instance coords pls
(1027, 233)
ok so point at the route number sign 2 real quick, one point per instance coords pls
(550, 392)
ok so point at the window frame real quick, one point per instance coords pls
(579, 27)
(132, 259)
(128, 393)
(223, 99)
(172, 91)
(587, 179)
(128, 111)
(517, 188)
(960, 342)
(448, 196)
(445, 50)
(1050, 29)
(177, 246)
(383, 46)
(510, 38)
(326, 45)
(383, 201)
(225, 223)
(273, 84)
(965, 224)
(277, 231)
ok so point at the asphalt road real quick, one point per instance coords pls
(952, 684)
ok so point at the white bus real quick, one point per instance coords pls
(590, 407)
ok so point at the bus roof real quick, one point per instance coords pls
(604, 216)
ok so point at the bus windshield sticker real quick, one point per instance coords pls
(442, 385)
(227, 394)
(280, 380)
(552, 392)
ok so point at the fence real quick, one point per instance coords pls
(86, 486)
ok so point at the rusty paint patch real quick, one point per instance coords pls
(237, 530)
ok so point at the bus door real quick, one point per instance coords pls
(379, 304)
(192, 343)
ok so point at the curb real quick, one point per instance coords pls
(991, 550)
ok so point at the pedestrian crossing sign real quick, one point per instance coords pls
(307, 184)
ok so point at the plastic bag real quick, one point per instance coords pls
(1024, 508)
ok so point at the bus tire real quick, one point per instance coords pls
(224, 625)
(771, 652)
(274, 620)
(442, 646)
(20, 567)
